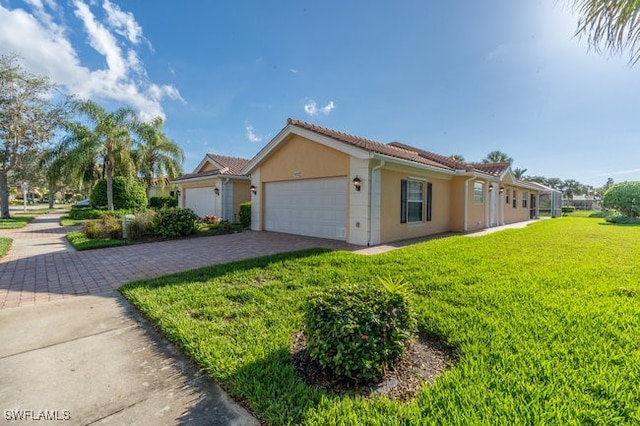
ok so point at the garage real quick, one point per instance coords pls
(201, 200)
(311, 207)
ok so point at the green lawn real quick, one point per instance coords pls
(5, 245)
(16, 221)
(545, 321)
(80, 241)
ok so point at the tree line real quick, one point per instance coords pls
(57, 141)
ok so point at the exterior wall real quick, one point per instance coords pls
(358, 210)
(517, 214)
(390, 227)
(256, 201)
(300, 158)
(476, 212)
(207, 167)
(162, 191)
(456, 212)
(241, 194)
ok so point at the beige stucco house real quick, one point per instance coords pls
(215, 188)
(314, 181)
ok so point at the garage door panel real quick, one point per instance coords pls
(313, 207)
(200, 200)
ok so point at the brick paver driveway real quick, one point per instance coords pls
(38, 275)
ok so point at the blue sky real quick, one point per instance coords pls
(455, 77)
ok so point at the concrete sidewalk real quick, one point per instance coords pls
(94, 360)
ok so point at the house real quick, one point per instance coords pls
(584, 202)
(216, 187)
(160, 187)
(314, 181)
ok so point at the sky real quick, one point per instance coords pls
(456, 77)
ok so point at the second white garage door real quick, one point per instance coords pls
(312, 207)
(202, 201)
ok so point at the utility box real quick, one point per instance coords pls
(127, 219)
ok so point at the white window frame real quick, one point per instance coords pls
(478, 192)
(410, 201)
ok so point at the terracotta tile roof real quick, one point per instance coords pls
(233, 165)
(494, 169)
(445, 161)
(408, 153)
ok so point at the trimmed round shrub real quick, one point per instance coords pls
(175, 222)
(245, 214)
(356, 331)
(623, 197)
(127, 194)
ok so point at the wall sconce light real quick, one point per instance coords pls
(253, 189)
(216, 190)
(357, 183)
(501, 189)
(178, 193)
(490, 187)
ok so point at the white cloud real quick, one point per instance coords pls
(122, 23)
(251, 135)
(312, 108)
(38, 33)
(620, 172)
(293, 70)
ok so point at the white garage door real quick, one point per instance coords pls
(313, 207)
(200, 200)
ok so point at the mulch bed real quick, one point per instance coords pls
(423, 361)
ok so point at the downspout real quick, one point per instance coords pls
(376, 168)
(466, 202)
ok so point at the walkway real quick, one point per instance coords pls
(44, 268)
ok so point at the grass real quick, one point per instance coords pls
(80, 241)
(544, 319)
(5, 245)
(67, 221)
(17, 221)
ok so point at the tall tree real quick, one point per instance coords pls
(497, 157)
(519, 173)
(612, 25)
(106, 139)
(156, 155)
(28, 120)
(457, 157)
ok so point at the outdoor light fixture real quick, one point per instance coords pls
(501, 189)
(490, 187)
(178, 193)
(253, 189)
(357, 183)
(216, 190)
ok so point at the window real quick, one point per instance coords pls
(525, 195)
(478, 192)
(515, 199)
(507, 192)
(412, 201)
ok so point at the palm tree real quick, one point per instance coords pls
(519, 173)
(497, 157)
(106, 141)
(457, 157)
(610, 24)
(156, 155)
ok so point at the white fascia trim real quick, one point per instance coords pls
(290, 129)
(214, 177)
(413, 164)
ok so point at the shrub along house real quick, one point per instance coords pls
(215, 188)
(314, 181)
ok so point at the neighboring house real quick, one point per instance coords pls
(215, 188)
(314, 181)
(584, 202)
(160, 187)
